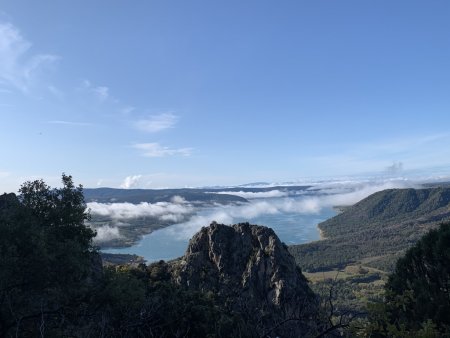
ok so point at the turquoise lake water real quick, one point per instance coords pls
(171, 242)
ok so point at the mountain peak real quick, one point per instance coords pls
(251, 270)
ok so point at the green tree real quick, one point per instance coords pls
(425, 273)
(417, 294)
(47, 257)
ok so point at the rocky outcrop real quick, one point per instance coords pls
(252, 272)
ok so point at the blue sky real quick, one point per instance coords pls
(158, 94)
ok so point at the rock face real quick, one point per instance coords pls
(251, 270)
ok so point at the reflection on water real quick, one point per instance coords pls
(171, 242)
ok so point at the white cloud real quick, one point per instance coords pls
(178, 200)
(106, 233)
(164, 211)
(298, 205)
(19, 69)
(157, 123)
(395, 168)
(131, 181)
(156, 150)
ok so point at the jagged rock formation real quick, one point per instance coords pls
(253, 273)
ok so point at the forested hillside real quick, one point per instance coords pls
(375, 231)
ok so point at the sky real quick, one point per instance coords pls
(155, 94)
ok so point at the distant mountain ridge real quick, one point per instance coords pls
(202, 195)
(135, 196)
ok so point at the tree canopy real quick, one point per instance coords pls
(417, 298)
(424, 273)
(46, 254)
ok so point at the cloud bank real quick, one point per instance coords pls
(175, 211)
(350, 194)
(188, 219)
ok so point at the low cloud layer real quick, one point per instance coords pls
(301, 205)
(178, 210)
(174, 211)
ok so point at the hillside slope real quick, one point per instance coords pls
(375, 231)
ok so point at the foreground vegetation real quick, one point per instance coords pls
(52, 282)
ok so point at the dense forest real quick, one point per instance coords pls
(53, 282)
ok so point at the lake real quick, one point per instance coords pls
(293, 225)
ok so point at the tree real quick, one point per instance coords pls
(47, 257)
(424, 272)
(417, 297)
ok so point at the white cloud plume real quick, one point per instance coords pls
(131, 181)
(157, 123)
(18, 69)
(157, 150)
(395, 168)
